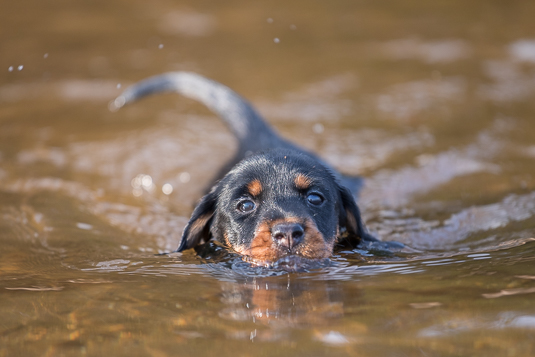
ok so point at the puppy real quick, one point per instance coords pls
(274, 200)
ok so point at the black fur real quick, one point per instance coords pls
(262, 193)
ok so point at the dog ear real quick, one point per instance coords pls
(349, 219)
(197, 230)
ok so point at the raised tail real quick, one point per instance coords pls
(252, 132)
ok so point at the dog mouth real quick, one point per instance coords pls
(291, 238)
(289, 263)
(277, 254)
(273, 252)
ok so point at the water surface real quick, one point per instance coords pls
(431, 102)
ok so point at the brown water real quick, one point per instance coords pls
(433, 102)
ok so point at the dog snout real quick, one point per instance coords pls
(288, 235)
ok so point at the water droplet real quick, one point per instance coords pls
(118, 85)
(146, 181)
(184, 177)
(20, 67)
(136, 181)
(293, 27)
(10, 69)
(167, 188)
(270, 20)
(276, 40)
(318, 128)
(45, 55)
(160, 46)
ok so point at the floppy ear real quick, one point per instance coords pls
(350, 219)
(198, 228)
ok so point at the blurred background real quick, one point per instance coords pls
(432, 102)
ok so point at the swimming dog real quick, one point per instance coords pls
(274, 199)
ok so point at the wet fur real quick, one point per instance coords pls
(275, 175)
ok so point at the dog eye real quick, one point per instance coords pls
(246, 206)
(315, 199)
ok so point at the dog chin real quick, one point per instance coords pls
(291, 263)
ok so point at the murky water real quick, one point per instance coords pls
(432, 102)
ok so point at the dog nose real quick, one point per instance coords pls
(288, 235)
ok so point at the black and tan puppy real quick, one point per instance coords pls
(274, 200)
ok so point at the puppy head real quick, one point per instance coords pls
(274, 205)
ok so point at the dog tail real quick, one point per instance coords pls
(252, 132)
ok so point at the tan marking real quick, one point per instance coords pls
(255, 187)
(302, 182)
(262, 246)
(264, 249)
(227, 241)
(315, 246)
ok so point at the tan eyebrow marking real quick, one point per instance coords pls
(255, 187)
(302, 182)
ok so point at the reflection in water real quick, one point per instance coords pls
(431, 101)
(283, 303)
(291, 302)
